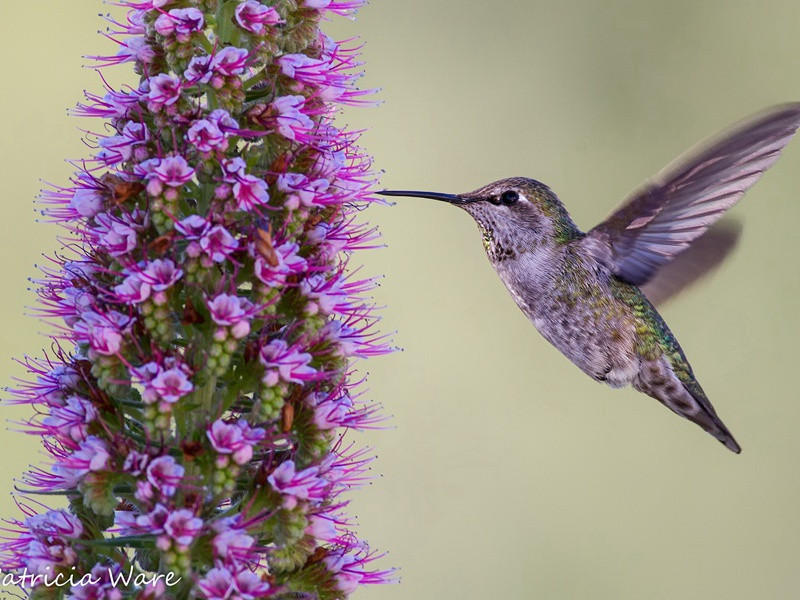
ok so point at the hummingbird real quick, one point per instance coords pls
(582, 290)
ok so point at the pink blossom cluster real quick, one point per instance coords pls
(200, 385)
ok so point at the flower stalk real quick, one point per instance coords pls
(200, 384)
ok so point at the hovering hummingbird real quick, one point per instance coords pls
(581, 290)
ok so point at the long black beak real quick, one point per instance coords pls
(451, 198)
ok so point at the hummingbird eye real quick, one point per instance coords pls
(509, 197)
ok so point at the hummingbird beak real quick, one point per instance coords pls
(450, 198)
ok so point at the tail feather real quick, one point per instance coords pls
(687, 399)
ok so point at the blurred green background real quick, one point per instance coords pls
(508, 473)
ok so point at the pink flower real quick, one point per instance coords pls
(48, 543)
(217, 243)
(165, 475)
(102, 331)
(174, 171)
(223, 121)
(91, 455)
(193, 227)
(330, 413)
(119, 148)
(286, 261)
(87, 202)
(231, 311)
(322, 528)
(182, 22)
(217, 584)
(236, 439)
(250, 192)
(233, 168)
(285, 364)
(183, 526)
(249, 586)
(180, 324)
(346, 568)
(133, 289)
(154, 521)
(55, 524)
(301, 191)
(206, 136)
(172, 384)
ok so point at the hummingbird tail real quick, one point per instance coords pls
(685, 398)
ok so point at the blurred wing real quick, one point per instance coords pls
(660, 220)
(697, 261)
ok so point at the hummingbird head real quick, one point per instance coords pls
(514, 215)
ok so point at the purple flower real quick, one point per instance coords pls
(72, 419)
(135, 462)
(199, 383)
(152, 522)
(330, 413)
(222, 119)
(234, 169)
(229, 61)
(103, 331)
(347, 568)
(55, 524)
(119, 148)
(249, 585)
(253, 16)
(91, 455)
(46, 543)
(181, 22)
(291, 121)
(193, 227)
(87, 202)
(133, 289)
(322, 529)
(198, 70)
(163, 90)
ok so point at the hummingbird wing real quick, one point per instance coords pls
(697, 261)
(661, 219)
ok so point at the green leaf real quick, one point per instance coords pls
(227, 31)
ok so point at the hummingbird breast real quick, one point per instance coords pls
(568, 297)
